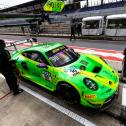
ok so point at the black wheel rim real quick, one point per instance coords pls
(68, 94)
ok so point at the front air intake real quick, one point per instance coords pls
(96, 69)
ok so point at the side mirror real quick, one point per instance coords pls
(42, 65)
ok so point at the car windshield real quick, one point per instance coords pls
(62, 56)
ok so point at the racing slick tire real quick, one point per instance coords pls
(68, 93)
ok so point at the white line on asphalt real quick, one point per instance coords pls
(115, 61)
(68, 112)
(124, 95)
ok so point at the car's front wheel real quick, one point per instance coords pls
(68, 93)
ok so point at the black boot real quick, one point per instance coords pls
(18, 91)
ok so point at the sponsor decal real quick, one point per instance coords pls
(89, 96)
(83, 62)
(72, 71)
(46, 75)
(58, 49)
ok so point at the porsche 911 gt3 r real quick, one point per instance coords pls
(79, 78)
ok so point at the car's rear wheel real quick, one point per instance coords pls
(68, 93)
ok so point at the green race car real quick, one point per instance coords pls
(79, 78)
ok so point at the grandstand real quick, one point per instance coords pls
(72, 8)
(60, 22)
(105, 9)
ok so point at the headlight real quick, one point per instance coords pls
(92, 85)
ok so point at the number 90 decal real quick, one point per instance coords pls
(54, 4)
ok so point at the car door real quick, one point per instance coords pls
(40, 75)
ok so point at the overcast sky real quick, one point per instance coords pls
(8, 3)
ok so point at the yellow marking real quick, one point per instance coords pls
(89, 96)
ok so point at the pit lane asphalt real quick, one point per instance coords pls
(101, 44)
(100, 119)
(27, 110)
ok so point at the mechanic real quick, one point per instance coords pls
(79, 29)
(123, 73)
(72, 31)
(6, 69)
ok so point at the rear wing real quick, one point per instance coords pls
(19, 42)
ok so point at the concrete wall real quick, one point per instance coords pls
(59, 28)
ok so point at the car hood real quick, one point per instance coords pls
(92, 66)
